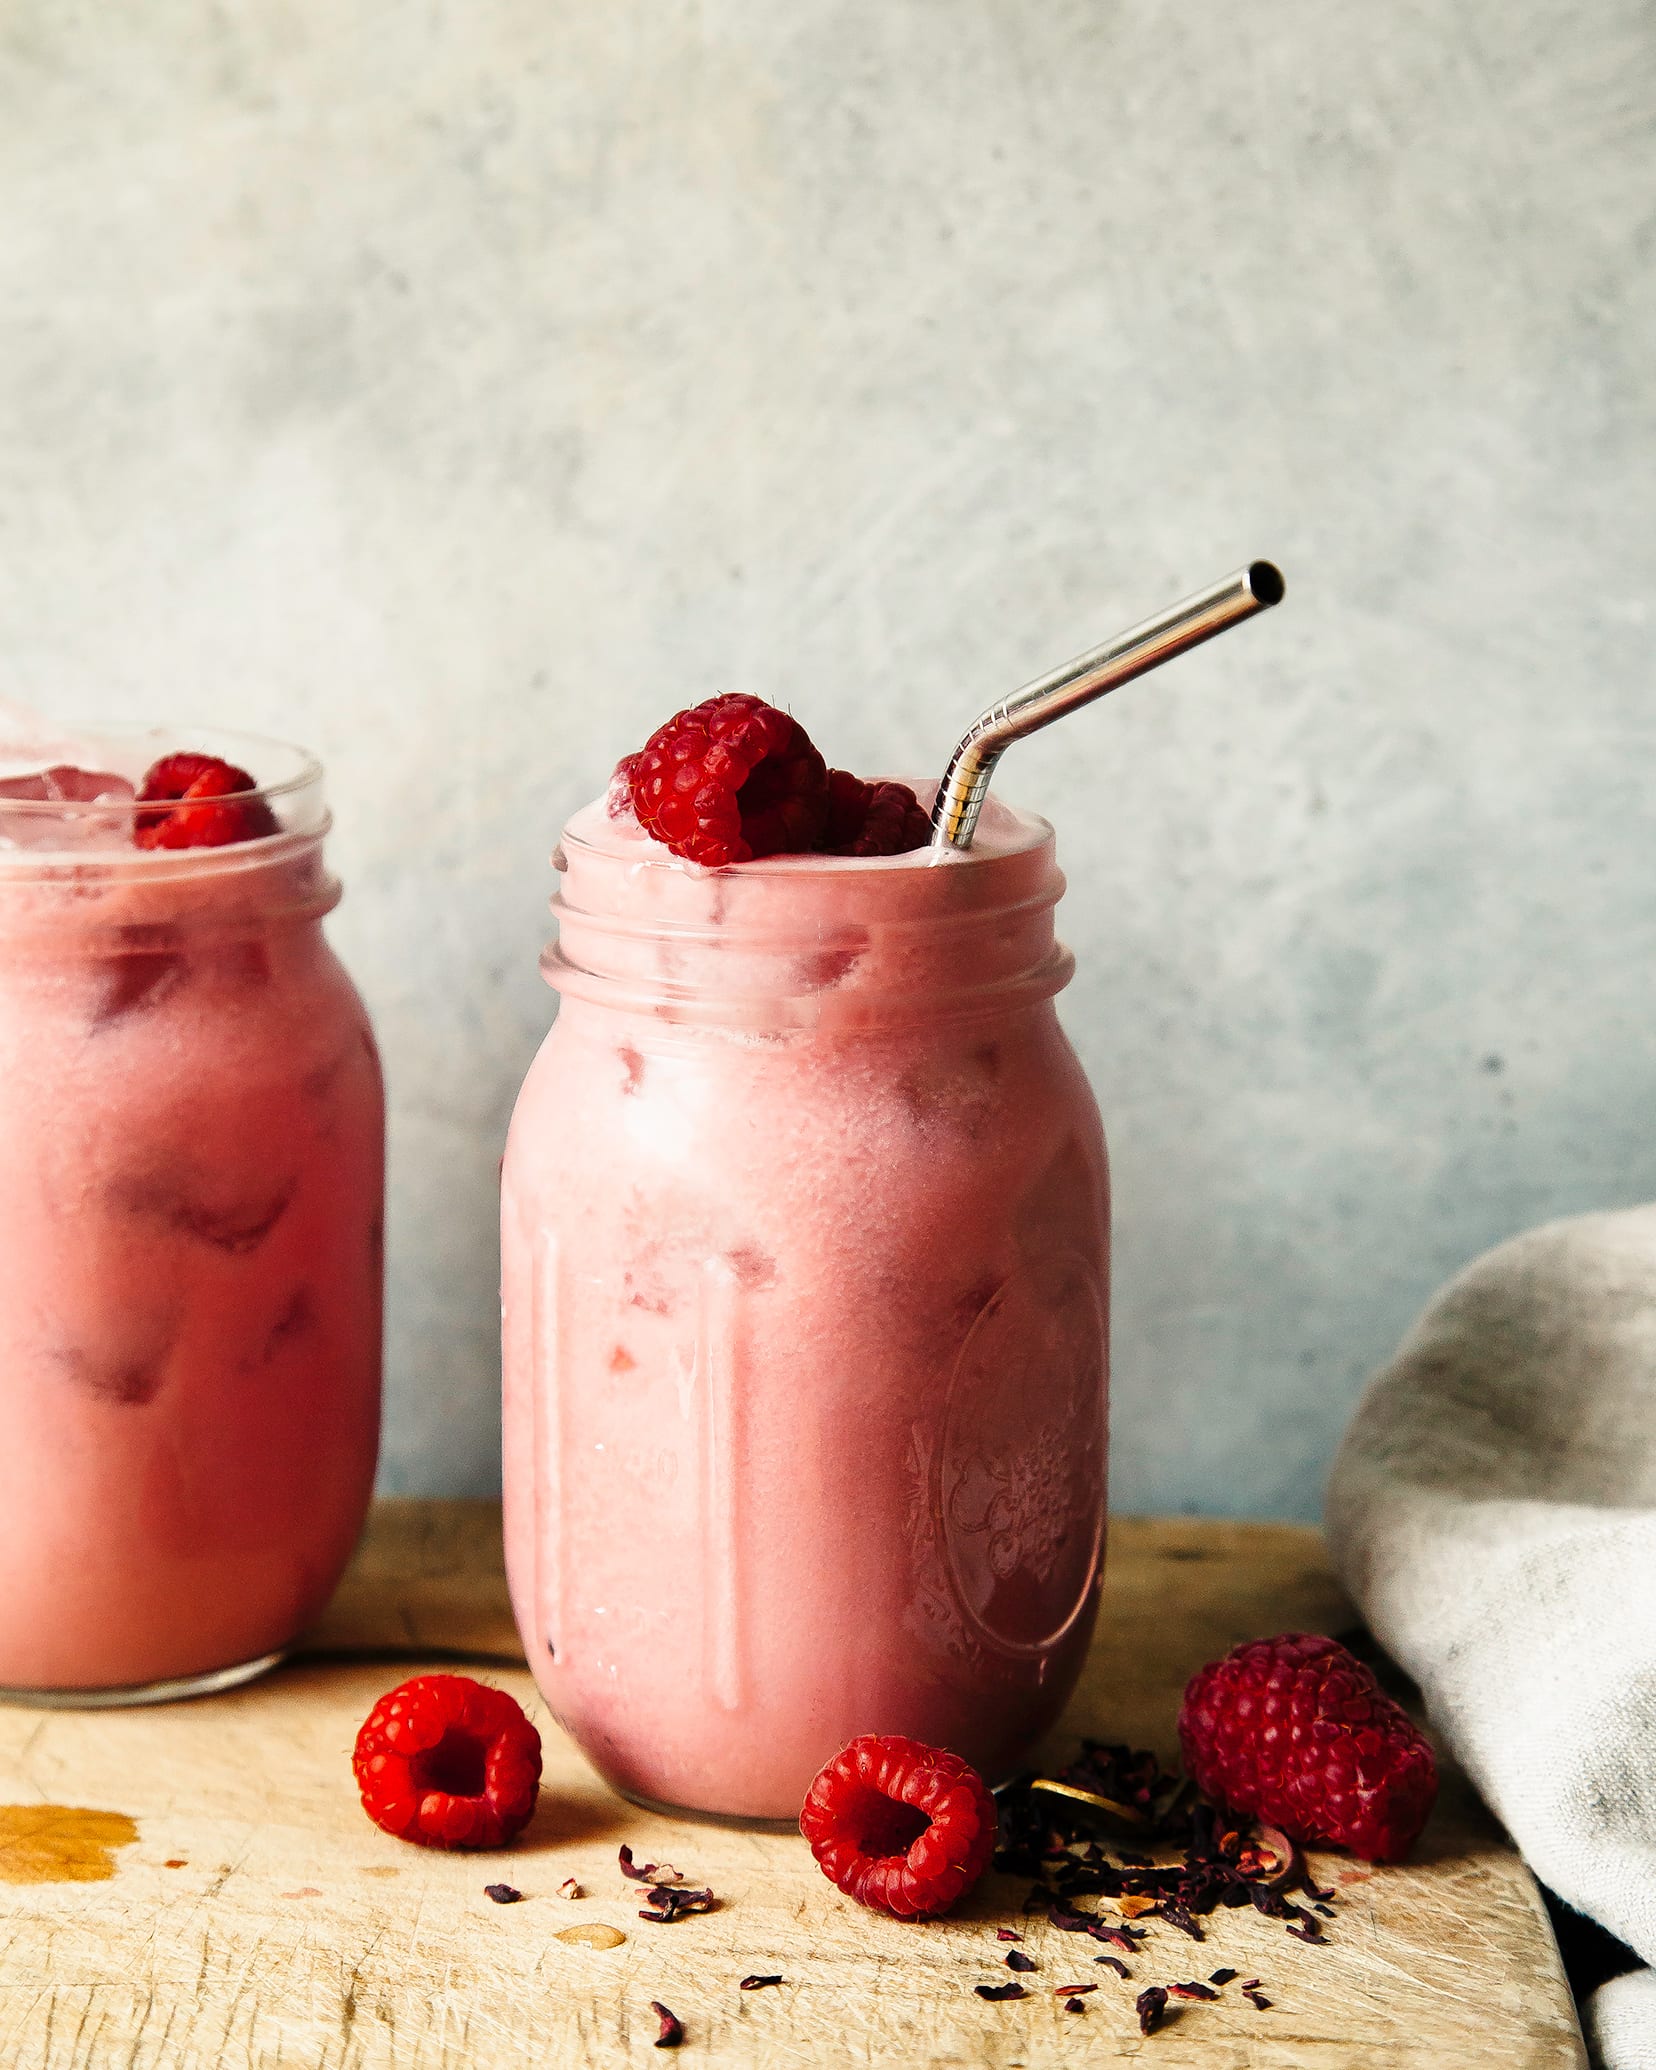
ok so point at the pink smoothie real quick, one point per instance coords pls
(190, 1238)
(805, 1283)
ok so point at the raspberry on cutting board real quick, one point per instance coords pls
(448, 1762)
(901, 1827)
(1296, 1731)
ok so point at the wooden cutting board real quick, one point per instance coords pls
(248, 1913)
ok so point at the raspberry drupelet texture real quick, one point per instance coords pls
(901, 1827)
(728, 781)
(1295, 1730)
(197, 801)
(447, 1762)
(872, 818)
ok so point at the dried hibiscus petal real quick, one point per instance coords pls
(651, 1871)
(672, 2027)
(672, 1903)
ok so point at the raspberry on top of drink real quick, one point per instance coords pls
(734, 779)
(183, 800)
(198, 801)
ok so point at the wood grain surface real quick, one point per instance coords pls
(255, 1917)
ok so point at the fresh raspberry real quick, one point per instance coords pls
(731, 780)
(446, 1762)
(209, 803)
(872, 818)
(1296, 1731)
(902, 1828)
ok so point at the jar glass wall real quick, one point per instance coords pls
(805, 1297)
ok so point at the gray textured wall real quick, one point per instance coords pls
(459, 388)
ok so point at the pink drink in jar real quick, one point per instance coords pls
(190, 1234)
(805, 1241)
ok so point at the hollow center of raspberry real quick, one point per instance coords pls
(456, 1765)
(768, 783)
(886, 1827)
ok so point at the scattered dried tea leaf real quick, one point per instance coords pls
(1191, 1990)
(1257, 2000)
(1095, 1800)
(503, 1893)
(1017, 1959)
(1114, 1962)
(672, 2028)
(1005, 1933)
(1151, 2007)
(998, 1992)
(1222, 1976)
(1272, 1858)
(61, 1843)
(652, 1872)
(672, 1902)
(593, 1935)
(1055, 1831)
(1068, 1920)
(1075, 2005)
(1072, 1990)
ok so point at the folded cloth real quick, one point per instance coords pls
(1493, 1511)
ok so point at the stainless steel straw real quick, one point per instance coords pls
(965, 784)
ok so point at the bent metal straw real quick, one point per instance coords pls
(1142, 647)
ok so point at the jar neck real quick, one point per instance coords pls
(86, 903)
(806, 941)
(74, 870)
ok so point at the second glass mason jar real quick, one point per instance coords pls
(190, 1239)
(805, 1272)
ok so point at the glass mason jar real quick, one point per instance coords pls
(805, 1250)
(190, 1243)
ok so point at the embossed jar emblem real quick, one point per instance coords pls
(1020, 1489)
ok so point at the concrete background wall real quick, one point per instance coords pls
(460, 388)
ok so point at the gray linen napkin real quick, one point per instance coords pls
(1492, 1510)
